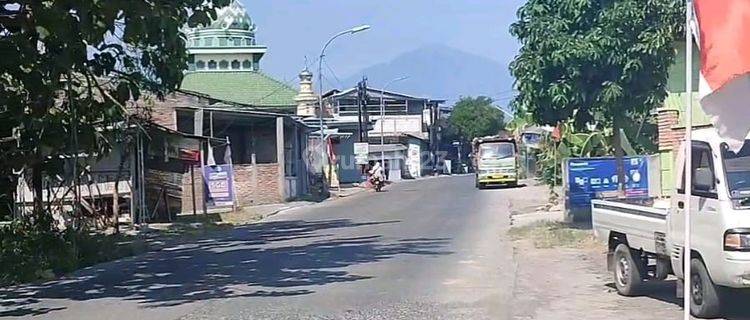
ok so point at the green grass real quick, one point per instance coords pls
(546, 235)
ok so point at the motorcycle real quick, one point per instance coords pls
(377, 183)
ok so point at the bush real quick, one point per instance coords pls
(33, 251)
(27, 252)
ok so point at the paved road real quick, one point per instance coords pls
(429, 249)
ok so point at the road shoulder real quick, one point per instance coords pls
(561, 274)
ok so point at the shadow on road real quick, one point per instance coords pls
(660, 290)
(503, 186)
(735, 307)
(269, 259)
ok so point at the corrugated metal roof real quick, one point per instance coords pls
(249, 88)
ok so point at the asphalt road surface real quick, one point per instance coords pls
(429, 249)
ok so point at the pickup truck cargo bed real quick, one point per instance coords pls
(644, 226)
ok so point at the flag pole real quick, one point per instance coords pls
(687, 257)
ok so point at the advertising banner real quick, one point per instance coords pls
(588, 177)
(219, 190)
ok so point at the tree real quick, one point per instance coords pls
(596, 62)
(475, 117)
(71, 68)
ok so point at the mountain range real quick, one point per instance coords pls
(440, 72)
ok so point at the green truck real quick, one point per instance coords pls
(495, 161)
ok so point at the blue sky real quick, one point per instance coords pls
(295, 28)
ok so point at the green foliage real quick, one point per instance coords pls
(475, 117)
(593, 61)
(518, 124)
(70, 67)
(30, 251)
(573, 144)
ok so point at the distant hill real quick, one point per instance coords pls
(440, 72)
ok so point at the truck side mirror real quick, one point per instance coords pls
(704, 179)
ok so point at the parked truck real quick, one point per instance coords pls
(495, 161)
(646, 241)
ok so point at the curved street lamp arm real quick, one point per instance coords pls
(323, 52)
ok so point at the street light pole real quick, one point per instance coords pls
(320, 85)
(382, 118)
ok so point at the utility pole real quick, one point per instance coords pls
(359, 111)
(362, 119)
(365, 114)
(434, 135)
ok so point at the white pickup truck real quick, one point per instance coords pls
(646, 242)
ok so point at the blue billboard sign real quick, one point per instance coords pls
(589, 176)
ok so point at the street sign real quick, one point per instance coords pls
(361, 148)
(361, 160)
(361, 152)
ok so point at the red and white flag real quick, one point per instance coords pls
(331, 152)
(724, 37)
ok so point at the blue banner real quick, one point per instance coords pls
(589, 176)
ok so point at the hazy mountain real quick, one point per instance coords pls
(441, 72)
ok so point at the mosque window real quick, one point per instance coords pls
(208, 42)
(249, 42)
(247, 64)
(222, 42)
(223, 65)
(200, 65)
(196, 42)
(235, 64)
(237, 42)
(212, 65)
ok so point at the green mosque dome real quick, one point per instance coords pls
(232, 17)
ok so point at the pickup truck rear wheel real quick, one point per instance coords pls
(704, 293)
(628, 279)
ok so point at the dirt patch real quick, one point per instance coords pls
(561, 274)
(550, 234)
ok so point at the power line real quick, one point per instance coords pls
(333, 73)
(329, 82)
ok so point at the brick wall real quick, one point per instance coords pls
(669, 136)
(267, 190)
(162, 112)
(248, 192)
(670, 131)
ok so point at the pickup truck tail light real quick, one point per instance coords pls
(737, 240)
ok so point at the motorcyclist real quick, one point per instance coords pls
(376, 173)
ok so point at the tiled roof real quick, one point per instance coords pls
(248, 88)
